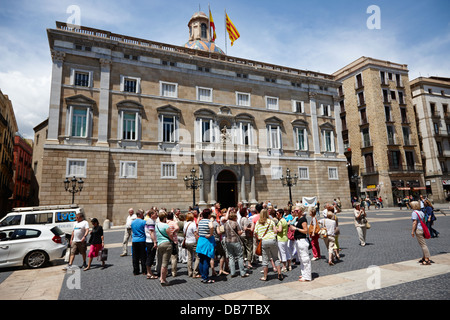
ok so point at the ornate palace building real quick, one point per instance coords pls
(132, 117)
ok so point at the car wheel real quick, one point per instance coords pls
(36, 259)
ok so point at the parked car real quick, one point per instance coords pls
(32, 246)
(61, 216)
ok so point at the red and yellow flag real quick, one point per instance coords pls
(212, 26)
(231, 29)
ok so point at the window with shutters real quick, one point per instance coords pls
(168, 170)
(128, 169)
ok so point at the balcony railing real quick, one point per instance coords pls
(407, 168)
(369, 170)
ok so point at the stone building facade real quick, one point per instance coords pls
(380, 133)
(132, 117)
(8, 129)
(431, 100)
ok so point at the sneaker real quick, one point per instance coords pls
(67, 267)
(314, 259)
(123, 254)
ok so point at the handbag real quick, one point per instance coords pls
(314, 229)
(323, 232)
(258, 250)
(291, 233)
(426, 232)
(174, 245)
(183, 245)
(368, 225)
(104, 254)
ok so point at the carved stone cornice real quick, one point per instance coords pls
(57, 55)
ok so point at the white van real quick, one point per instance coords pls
(61, 216)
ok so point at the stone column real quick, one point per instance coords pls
(103, 108)
(213, 185)
(55, 96)
(314, 123)
(252, 186)
(201, 201)
(338, 127)
(243, 193)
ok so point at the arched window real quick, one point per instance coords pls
(204, 30)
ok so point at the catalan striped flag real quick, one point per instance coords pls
(231, 29)
(212, 26)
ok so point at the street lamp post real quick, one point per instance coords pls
(289, 181)
(73, 186)
(193, 182)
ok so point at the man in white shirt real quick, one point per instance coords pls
(78, 240)
(127, 235)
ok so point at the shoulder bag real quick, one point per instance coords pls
(183, 245)
(174, 245)
(426, 232)
(314, 229)
(258, 250)
(323, 232)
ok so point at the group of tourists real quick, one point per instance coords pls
(234, 239)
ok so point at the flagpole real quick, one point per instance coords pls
(209, 27)
(225, 19)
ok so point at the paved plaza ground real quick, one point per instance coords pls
(385, 269)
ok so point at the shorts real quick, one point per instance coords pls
(94, 250)
(78, 247)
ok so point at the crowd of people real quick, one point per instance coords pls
(228, 239)
(235, 239)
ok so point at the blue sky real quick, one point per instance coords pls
(322, 36)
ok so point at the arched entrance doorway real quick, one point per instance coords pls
(227, 189)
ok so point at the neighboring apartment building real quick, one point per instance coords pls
(23, 193)
(132, 117)
(431, 100)
(8, 129)
(40, 135)
(380, 133)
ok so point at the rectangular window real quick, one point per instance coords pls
(302, 139)
(298, 106)
(168, 129)
(328, 141)
(303, 173)
(272, 103)
(246, 132)
(169, 89)
(391, 135)
(387, 113)
(204, 94)
(128, 169)
(168, 170)
(359, 81)
(130, 85)
(326, 110)
(79, 122)
(243, 99)
(129, 126)
(76, 168)
(206, 131)
(274, 137)
(333, 173)
(81, 79)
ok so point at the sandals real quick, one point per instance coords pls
(280, 277)
(263, 279)
(152, 277)
(426, 263)
(208, 281)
